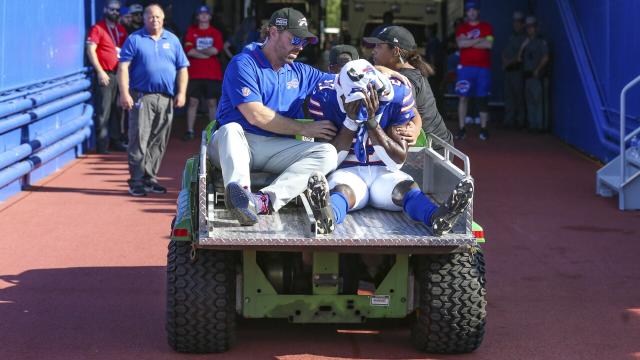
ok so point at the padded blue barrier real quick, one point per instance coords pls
(42, 130)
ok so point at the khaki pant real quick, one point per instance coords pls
(535, 103)
(238, 153)
(149, 130)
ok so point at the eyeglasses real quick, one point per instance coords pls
(113, 9)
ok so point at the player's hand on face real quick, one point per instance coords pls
(371, 102)
(319, 129)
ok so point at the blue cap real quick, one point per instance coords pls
(204, 9)
(472, 5)
(124, 10)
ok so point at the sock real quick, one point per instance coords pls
(261, 201)
(418, 206)
(340, 206)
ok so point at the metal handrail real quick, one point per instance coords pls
(623, 138)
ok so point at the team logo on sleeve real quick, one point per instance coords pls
(246, 91)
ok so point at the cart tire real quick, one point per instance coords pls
(452, 303)
(200, 299)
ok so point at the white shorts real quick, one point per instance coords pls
(372, 185)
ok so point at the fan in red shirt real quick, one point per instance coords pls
(103, 49)
(475, 40)
(203, 43)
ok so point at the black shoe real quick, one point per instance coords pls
(461, 134)
(189, 135)
(319, 198)
(155, 188)
(446, 215)
(484, 134)
(137, 190)
(238, 201)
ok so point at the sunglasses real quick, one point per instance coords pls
(301, 42)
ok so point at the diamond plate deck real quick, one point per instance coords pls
(363, 228)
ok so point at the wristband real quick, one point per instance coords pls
(373, 123)
(350, 124)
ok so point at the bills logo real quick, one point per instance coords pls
(246, 91)
(293, 84)
(474, 34)
(463, 86)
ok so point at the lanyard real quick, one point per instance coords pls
(117, 36)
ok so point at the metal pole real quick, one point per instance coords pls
(623, 118)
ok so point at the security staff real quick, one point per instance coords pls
(514, 107)
(535, 56)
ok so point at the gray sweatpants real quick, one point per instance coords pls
(149, 130)
(237, 153)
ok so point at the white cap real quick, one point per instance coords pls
(354, 78)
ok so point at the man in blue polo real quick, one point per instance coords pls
(262, 93)
(152, 59)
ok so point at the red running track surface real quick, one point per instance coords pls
(82, 266)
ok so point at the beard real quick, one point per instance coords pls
(113, 17)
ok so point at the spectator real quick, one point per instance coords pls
(514, 108)
(263, 92)
(169, 22)
(396, 49)
(150, 96)
(125, 17)
(103, 49)
(340, 55)
(203, 43)
(534, 55)
(135, 10)
(475, 40)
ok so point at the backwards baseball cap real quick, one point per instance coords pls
(394, 35)
(293, 21)
(472, 5)
(135, 8)
(342, 54)
(354, 79)
(204, 9)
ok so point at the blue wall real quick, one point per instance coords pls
(44, 118)
(609, 30)
(39, 39)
